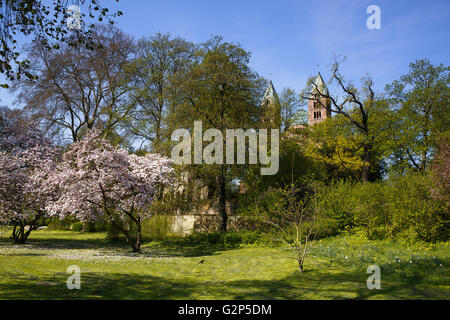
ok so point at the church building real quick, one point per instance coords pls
(271, 108)
(319, 108)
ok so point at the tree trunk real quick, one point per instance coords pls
(300, 266)
(137, 245)
(157, 141)
(134, 243)
(19, 235)
(222, 200)
(366, 171)
(424, 161)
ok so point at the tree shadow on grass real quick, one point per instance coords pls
(311, 285)
(58, 243)
(187, 250)
(116, 248)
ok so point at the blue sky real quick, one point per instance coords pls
(291, 40)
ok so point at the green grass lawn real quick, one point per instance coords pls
(335, 269)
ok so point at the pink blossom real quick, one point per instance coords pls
(99, 182)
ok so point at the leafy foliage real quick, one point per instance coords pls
(47, 22)
(386, 209)
(421, 100)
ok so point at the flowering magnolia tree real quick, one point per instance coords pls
(27, 160)
(99, 182)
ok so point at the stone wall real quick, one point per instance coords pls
(188, 223)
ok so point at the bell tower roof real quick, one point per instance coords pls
(271, 108)
(319, 106)
(319, 85)
(270, 92)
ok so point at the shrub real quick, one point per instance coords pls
(57, 224)
(158, 227)
(366, 202)
(384, 209)
(331, 203)
(99, 226)
(252, 237)
(208, 238)
(232, 239)
(226, 240)
(113, 233)
(324, 227)
(77, 226)
(413, 206)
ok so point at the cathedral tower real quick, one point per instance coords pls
(271, 108)
(319, 108)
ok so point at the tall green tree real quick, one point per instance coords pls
(153, 77)
(421, 101)
(291, 109)
(223, 92)
(46, 20)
